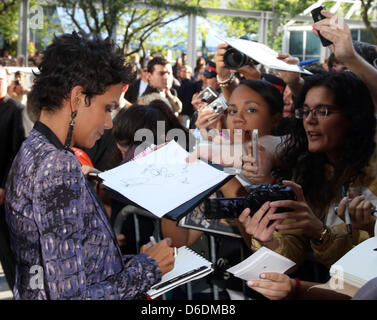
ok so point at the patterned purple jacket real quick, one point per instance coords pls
(60, 234)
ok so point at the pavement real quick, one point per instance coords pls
(5, 292)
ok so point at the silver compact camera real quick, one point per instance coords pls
(208, 95)
(218, 106)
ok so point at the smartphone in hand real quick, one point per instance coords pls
(254, 143)
(318, 16)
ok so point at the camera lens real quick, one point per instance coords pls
(234, 59)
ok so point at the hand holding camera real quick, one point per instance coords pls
(258, 195)
(333, 28)
(207, 118)
(300, 212)
(258, 225)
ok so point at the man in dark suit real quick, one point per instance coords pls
(12, 134)
(160, 78)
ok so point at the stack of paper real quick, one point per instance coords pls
(358, 265)
(263, 260)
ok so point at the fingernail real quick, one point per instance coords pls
(262, 275)
(250, 283)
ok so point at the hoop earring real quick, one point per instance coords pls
(68, 140)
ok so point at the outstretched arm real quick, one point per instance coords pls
(336, 30)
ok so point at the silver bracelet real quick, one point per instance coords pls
(226, 82)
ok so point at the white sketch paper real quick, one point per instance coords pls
(263, 54)
(162, 180)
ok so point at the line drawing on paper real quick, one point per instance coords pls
(159, 175)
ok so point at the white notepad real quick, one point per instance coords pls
(188, 266)
(358, 265)
(263, 260)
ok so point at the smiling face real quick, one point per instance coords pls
(247, 111)
(324, 135)
(91, 121)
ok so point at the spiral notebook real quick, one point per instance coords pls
(188, 266)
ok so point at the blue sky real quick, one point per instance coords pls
(211, 41)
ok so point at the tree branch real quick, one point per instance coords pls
(372, 31)
(6, 5)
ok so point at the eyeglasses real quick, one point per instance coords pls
(319, 112)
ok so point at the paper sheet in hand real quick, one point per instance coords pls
(263, 54)
(263, 260)
(162, 180)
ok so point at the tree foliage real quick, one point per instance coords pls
(8, 18)
(135, 20)
(284, 11)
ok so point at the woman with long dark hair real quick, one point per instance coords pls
(331, 149)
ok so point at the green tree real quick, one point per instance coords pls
(8, 18)
(366, 5)
(284, 10)
(136, 21)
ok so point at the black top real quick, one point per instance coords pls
(185, 93)
(132, 92)
(12, 134)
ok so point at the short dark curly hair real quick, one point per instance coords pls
(357, 147)
(156, 60)
(77, 59)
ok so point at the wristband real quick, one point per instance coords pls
(297, 287)
(226, 82)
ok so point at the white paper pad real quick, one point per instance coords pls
(162, 180)
(263, 260)
(262, 54)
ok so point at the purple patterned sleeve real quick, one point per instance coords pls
(59, 201)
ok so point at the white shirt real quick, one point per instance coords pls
(142, 87)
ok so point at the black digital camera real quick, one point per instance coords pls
(221, 208)
(234, 59)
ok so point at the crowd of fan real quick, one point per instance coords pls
(322, 132)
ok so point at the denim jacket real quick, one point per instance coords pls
(60, 234)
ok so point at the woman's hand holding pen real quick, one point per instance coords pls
(360, 213)
(162, 253)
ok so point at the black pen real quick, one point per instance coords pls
(181, 277)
